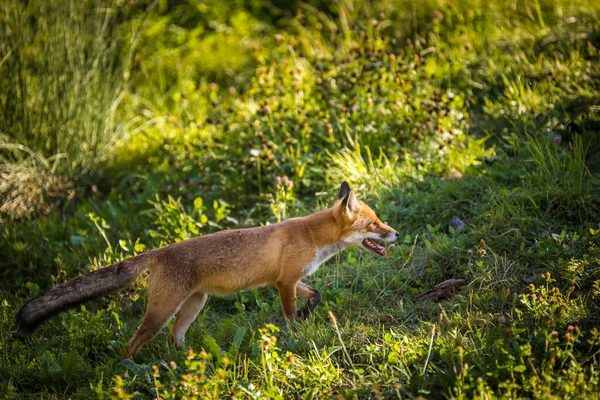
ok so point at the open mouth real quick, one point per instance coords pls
(373, 247)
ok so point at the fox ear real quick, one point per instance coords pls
(349, 205)
(344, 190)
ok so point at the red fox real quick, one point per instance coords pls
(184, 274)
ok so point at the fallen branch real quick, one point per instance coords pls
(442, 290)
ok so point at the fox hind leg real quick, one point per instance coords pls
(186, 315)
(159, 311)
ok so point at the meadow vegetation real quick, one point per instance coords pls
(129, 125)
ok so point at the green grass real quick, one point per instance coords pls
(187, 115)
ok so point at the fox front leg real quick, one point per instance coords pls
(312, 296)
(287, 292)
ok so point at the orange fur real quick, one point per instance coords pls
(185, 273)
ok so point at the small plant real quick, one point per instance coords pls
(176, 222)
(283, 199)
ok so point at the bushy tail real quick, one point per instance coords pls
(77, 291)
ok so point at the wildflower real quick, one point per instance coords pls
(277, 180)
(483, 252)
(173, 365)
(232, 90)
(279, 38)
(568, 337)
(213, 86)
(470, 252)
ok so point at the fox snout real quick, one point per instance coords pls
(391, 236)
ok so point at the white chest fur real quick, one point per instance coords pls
(321, 255)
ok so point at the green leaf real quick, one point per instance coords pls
(239, 335)
(198, 202)
(520, 368)
(138, 369)
(213, 348)
(139, 247)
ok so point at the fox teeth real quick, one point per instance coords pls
(371, 244)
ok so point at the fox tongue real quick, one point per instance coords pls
(377, 248)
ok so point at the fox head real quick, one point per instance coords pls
(360, 225)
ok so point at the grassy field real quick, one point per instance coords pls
(472, 127)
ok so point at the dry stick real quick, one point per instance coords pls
(534, 370)
(432, 333)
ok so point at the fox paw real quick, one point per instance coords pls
(178, 342)
(303, 312)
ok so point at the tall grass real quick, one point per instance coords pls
(62, 68)
(566, 169)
